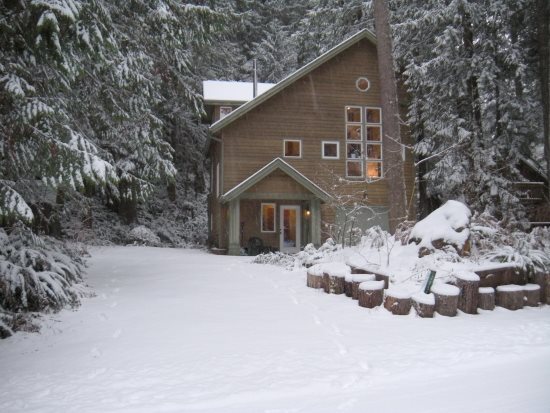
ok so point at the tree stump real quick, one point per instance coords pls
(315, 276)
(314, 280)
(358, 279)
(334, 284)
(446, 299)
(348, 282)
(385, 278)
(357, 270)
(510, 296)
(468, 283)
(397, 302)
(424, 304)
(371, 294)
(486, 298)
(543, 280)
(531, 295)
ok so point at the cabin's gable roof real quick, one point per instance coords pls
(263, 172)
(303, 71)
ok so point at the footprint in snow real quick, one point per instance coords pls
(113, 304)
(347, 404)
(342, 350)
(95, 352)
(316, 320)
(97, 372)
(117, 333)
(336, 330)
(103, 316)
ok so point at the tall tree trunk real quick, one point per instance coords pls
(392, 148)
(543, 24)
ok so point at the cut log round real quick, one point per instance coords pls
(334, 284)
(468, 283)
(531, 295)
(486, 298)
(385, 278)
(358, 279)
(371, 294)
(348, 285)
(314, 280)
(510, 296)
(424, 304)
(357, 270)
(446, 299)
(543, 280)
(397, 302)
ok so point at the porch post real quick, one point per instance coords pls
(234, 224)
(316, 222)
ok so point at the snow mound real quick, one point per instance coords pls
(531, 287)
(445, 289)
(371, 285)
(486, 290)
(510, 288)
(423, 298)
(449, 224)
(359, 278)
(398, 292)
(142, 235)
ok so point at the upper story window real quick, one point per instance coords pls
(225, 110)
(330, 150)
(362, 84)
(292, 148)
(363, 142)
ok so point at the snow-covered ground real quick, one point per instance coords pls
(183, 331)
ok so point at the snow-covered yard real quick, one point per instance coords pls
(181, 331)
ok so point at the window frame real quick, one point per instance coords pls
(337, 143)
(374, 142)
(292, 156)
(274, 205)
(225, 107)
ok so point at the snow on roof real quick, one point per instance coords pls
(224, 91)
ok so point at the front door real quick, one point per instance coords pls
(290, 228)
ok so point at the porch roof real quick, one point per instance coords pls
(263, 172)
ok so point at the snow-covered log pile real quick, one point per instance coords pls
(448, 225)
(36, 274)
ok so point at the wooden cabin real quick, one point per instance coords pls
(302, 160)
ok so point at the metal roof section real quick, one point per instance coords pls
(263, 172)
(363, 34)
(221, 91)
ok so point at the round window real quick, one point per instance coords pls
(362, 84)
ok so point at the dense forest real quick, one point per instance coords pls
(100, 113)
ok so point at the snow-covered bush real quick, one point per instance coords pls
(36, 274)
(529, 250)
(141, 235)
(276, 258)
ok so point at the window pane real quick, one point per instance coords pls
(374, 151)
(374, 116)
(373, 133)
(330, 150)
(374, 169)
(292, 148)
(268, 218)
(354, 168)
(353, 150)
(354, 132)
(353, 114)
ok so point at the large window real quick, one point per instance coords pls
(363, 142)
(268, 217)
(292, 148)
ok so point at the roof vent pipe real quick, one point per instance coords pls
(255, 82)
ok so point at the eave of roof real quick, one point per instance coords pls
(263, 172)
(304, 70)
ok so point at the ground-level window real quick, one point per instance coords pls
(225, 110)
(330, 150)
(268, 217)
(292, 148)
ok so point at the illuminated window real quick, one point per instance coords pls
(363, 142)
(330, 150)
(292, 148)
(268, 217)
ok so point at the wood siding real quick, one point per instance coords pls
(311, 109)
